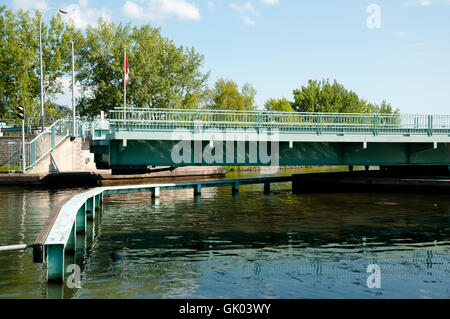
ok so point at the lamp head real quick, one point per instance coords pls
(62, 11)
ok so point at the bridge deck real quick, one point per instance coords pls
(180, 137)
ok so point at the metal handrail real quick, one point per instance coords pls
(322, 123)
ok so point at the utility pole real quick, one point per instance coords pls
(124, 77)
(124, 82)
(23, 146)
(21, 115)
(74, 134)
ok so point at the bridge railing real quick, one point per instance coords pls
(320, 123)
(38, 147)
(13, 127)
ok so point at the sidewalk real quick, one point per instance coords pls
(89, 178)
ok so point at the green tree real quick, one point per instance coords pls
(227, 96)
(19, 60)
(162, 75)
(278, 105)
(323, 96)
(57, 111)
(386, 108)
(248, 92)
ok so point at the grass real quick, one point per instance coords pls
(6, 169)
(241, 168)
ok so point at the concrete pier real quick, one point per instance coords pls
(197, 190)
(235, 188)
(81, 220)
(266, 188)
(156, 192)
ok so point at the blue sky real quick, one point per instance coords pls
(396, 50)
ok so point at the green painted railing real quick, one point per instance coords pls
(13, 127)
(318, 123)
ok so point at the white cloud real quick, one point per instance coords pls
(151, 10)
(269, 2)
(247, 12)
(423, 3)
(82, 15)
(29, 5)
(249, 21)
(131, 9)
(83, 3)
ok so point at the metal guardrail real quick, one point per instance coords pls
(12, 126)
(37, 148)
(319, 123)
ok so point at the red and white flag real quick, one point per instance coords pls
(127, 70)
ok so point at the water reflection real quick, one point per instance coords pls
(277, 246)
(23, 213)
(247, 245)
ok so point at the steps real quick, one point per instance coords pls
(68, 156)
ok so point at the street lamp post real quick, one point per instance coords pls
(74, 134)
(40, 61)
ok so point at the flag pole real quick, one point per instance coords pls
(125, 77)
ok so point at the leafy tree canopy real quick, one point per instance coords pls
(162, 75)
(323, 96)
(19, 60)
(278, 105)
(226, 96)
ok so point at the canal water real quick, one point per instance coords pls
(248, 245)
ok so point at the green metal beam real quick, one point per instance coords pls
(55, 263)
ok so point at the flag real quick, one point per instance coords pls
(127, 70)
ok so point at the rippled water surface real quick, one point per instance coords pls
(249, 245)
